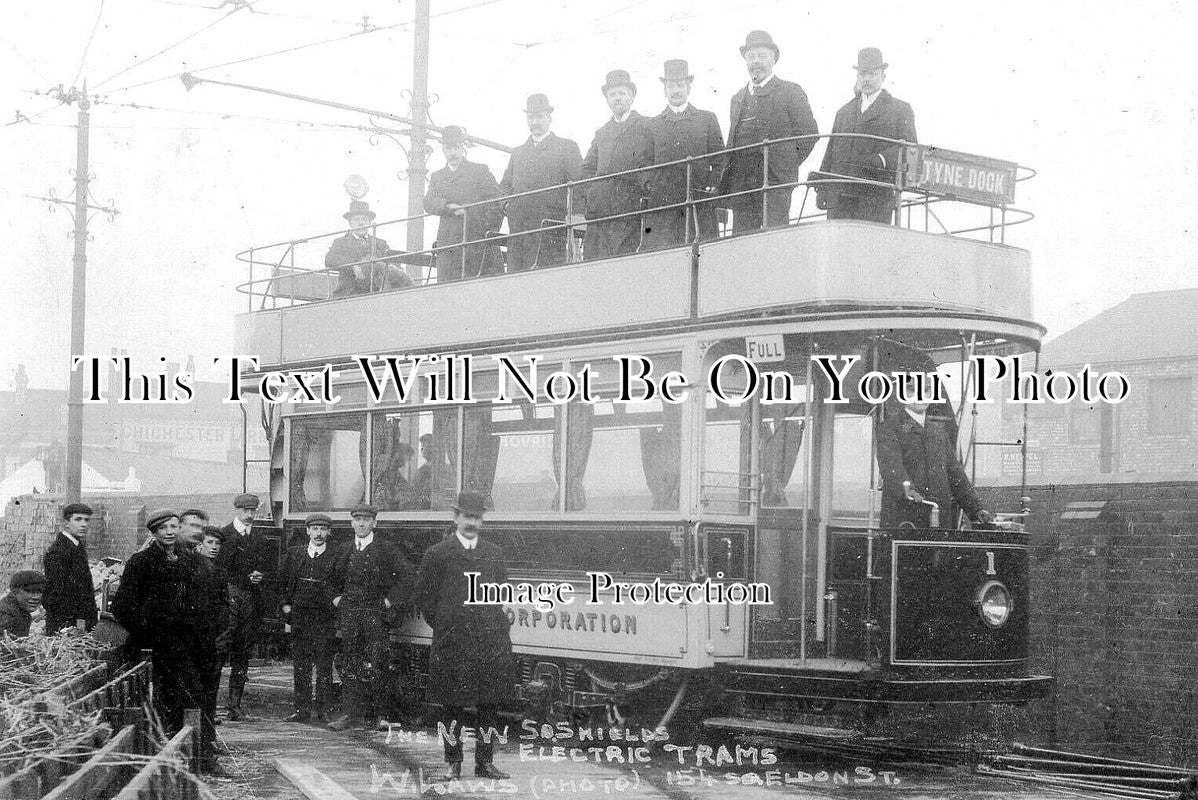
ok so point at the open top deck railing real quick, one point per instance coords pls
(934, 190)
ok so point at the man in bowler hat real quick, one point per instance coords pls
(70, 595)
(623, 143)
(360, 257)
(371, 577)
(25, 591)
(871, 112)
(245, 559)
(471, 660)
(681, 131)
(458, 184)
(544, 160)
(767, 108)
(310, 581)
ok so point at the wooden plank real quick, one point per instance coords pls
(82, 684)
(313, 783)
(101, 771)
(44, 774)
(172, 759)
(130, 676)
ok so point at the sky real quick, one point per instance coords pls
(1098, 97)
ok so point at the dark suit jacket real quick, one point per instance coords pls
(158, 599)
(347, 254)
(364, 580)
(927, 457)
(691, 133)
(312, 583)
(241, 555)
(469, 183)
(471, 658)
(786, 112)
(212, 605)
(69, 592)
(554, 161)
(886, 116)
(618, 146)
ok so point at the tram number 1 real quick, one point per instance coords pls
(990, 570)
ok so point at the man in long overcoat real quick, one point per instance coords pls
(875, 112)
(244, 558)
(310, 582)
(373, 577)
(361, 258)
(157, 604)
(70, 595)
(471, 661)
(546, 159)
(917, 461)
(214, 630)
(459, 183)
(623, 143)
(681, 131)
(767, 108)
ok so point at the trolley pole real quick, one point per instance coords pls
(418, 157)
(81, 209)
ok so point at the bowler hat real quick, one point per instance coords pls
(618, 77)
(676, 69)
(158, 517)
(27, 579)
(537, 104)
(357, 208)
(364, 510)
(251, 500)
(318, 519)
(870, 58)
(470, 503)
(72, 509)
(760, 39)
(453, 136)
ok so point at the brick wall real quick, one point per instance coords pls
(1115, 619)
(30, 523)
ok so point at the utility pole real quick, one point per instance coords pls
(82, 208)
(418, 157)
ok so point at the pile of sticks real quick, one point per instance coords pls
(1091, 776)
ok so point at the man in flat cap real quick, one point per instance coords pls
(191, 529)
(244, 558)
(681, 131)
(623, 143)
(373, 578)
(546, 159)
(471, 660)
(767, 108)
(871, 112)
(70, 596)
(310, 582)
(360, 257)
(157, 603)
(25, 591)
(458, 184)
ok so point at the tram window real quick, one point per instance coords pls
(328, 458)
(508, 456)
(624, 457)
(726, 485)
(784, 441)
(413, 460)
(852, 466)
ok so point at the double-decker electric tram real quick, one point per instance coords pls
(753, 485)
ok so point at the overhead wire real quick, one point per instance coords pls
(88, 46)
(263, 12)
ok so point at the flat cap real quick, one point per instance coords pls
(212, 530)
(318, 519)
(194, 512)
(27, 579)
(246, 501)
(72, 509)
(159, 516)
(364, 510)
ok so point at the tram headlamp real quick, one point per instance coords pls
(994, 604)
(356, 186)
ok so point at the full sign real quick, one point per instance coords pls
(962, 176)
(765, 349)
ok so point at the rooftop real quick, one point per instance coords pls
(1151, 325)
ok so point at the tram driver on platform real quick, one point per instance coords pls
(917, 459)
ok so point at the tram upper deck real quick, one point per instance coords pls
(944, 263)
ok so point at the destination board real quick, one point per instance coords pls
(962, 176)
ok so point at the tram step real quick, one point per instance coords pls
(785, 730)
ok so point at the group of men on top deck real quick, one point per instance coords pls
(856, 178)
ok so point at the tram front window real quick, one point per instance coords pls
(328, 462)
(413, 460)
(508, 456)
(727, 476)
(853, 501)
(783, 461)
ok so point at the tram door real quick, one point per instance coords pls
(785, 519)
